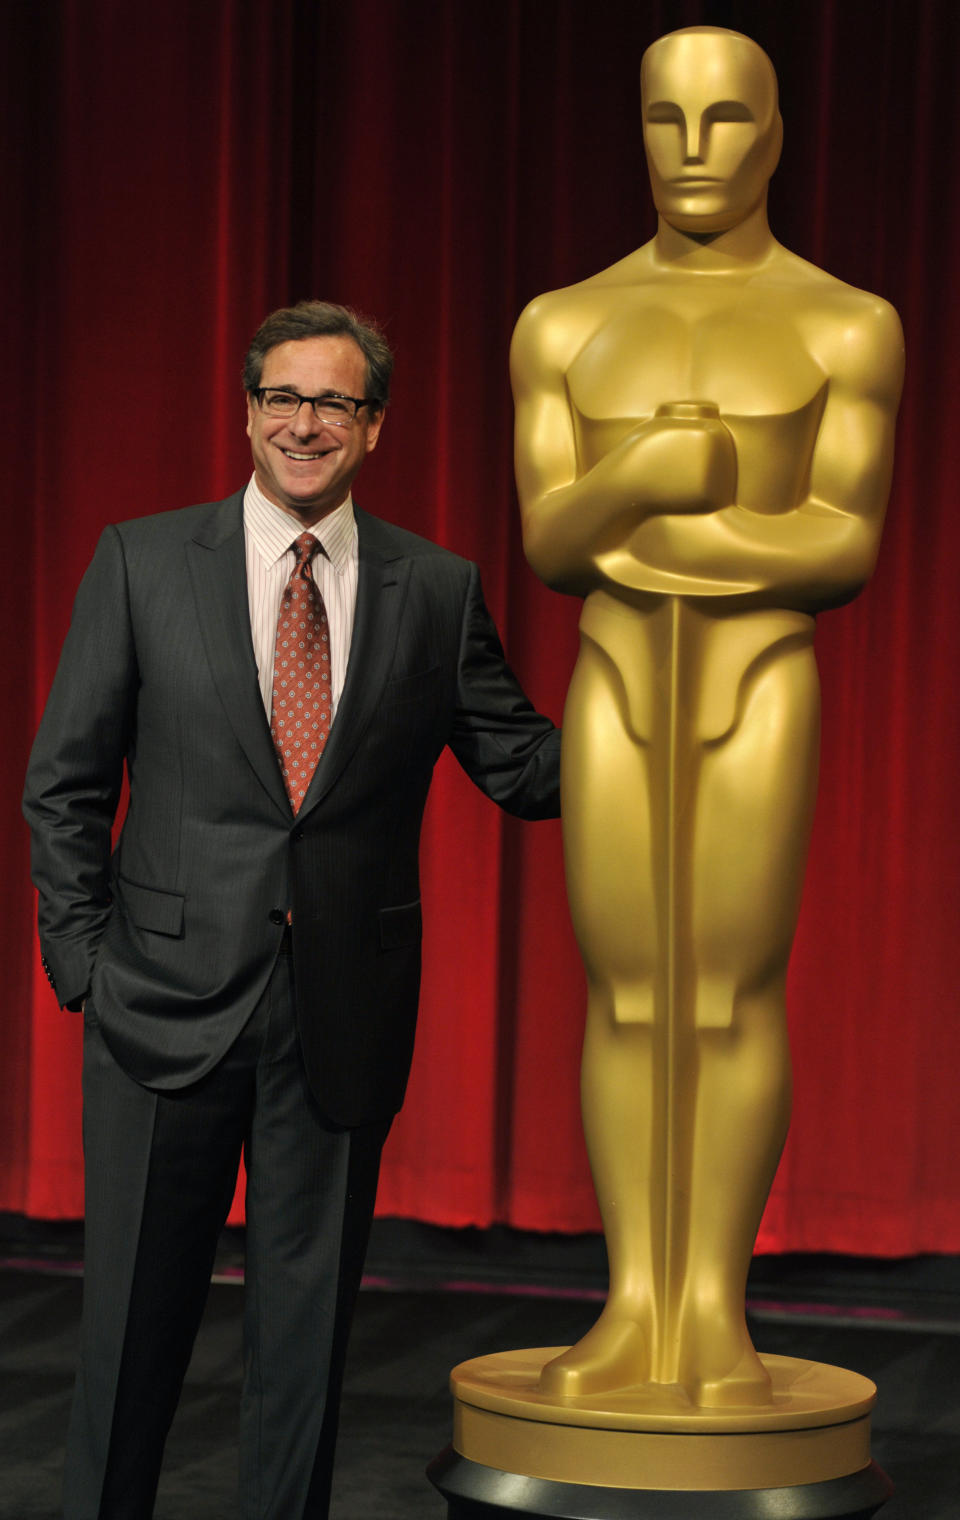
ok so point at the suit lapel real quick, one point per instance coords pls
(382, 581)
(216, 557)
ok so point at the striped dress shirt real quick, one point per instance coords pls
(269, 533)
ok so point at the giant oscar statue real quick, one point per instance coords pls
(704, 447)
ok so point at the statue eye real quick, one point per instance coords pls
(728, 110)
(664, 111)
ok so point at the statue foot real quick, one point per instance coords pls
(614, 1354)
(746, 1384)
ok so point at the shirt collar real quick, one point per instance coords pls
(272, 531)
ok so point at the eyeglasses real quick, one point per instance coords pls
(341, 411)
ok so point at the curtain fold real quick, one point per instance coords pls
(170, 174)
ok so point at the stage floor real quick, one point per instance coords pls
(434, 1298)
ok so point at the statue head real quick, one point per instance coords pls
(711, 127)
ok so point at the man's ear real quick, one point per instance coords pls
(373, 429)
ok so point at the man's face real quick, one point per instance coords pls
(711, 129)
(303, 465)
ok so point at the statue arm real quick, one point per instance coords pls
(545, 453)
(821, 551)
(569, 518)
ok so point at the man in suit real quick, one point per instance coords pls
(248, 960)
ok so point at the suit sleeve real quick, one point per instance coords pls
(76, 769)
(511, 751)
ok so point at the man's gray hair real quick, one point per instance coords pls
(323, 319)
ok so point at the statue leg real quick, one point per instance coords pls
(607, 845)
(755, 794)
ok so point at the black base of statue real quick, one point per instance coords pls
(474, 1492)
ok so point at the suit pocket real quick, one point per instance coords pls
(148, 908)
(400, 927)
(412, 688)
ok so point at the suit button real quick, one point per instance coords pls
(297, 834)
(277, 916)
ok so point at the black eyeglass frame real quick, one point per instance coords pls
(314, 401)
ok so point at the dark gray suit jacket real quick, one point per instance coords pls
(175, 936)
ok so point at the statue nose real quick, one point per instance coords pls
(695, 140)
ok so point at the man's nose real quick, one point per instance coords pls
(304, 420)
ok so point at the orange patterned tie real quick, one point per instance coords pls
(302, 707)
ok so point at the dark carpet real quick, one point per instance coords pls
(437, 1303)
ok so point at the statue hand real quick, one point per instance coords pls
(682, 460)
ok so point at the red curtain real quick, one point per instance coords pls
(172, 172)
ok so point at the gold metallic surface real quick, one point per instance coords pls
(805, 1395)
(653, 1460)
(816, 1428)
(704, 445)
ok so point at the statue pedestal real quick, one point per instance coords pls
(648, 1453)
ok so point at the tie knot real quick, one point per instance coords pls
(305, 547)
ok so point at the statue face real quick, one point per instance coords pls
(711, 128)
